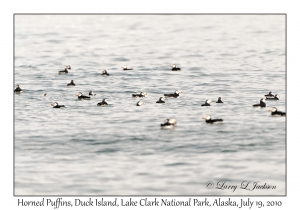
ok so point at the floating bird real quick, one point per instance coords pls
(104, 73)
(125, 68)
(92, 94)
(174, 68)
(262, 103)
(274, 111)
(207, 103)
(55, 105)
(173, 95)
(66, 70)
(169, 123)
(219, 100)
(71, 83)
(45, 94)
(140, 95)
(102, 103)
(161, 100)
(140, 103)
(81, 96)
(276, 97)
(208, 119)
(18, 89)
(270, 94)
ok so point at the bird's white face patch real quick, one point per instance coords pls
(162, 98)
(208, 101)
(264, 100)
(206, 117)
(173, 66)
(178, 92)
(54, 104)
(172, 121)
(272, 109)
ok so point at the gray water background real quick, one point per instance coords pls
(121, 149)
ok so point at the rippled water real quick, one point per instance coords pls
(121, 149)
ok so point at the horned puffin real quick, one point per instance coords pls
(207, 103)
(269, 94)
(102, 103)
(274, 111)
(208, 119)
(262, 103)
(173, 95)
(174, 68)
(18, 89)
(55, 105)
(66, 70)
(81, 96)
(71, 83)
(92, 94)
(140, 95)
(140, 103)
(219, 100)
(104, 73)
(126, 68)
(169, 123)
(276, 97)
(161, 100)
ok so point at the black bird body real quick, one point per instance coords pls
(102, 103)
(81, 96)
(104, 73)
(208, 119)
(18, 89)
(276, 97)
(140, 95)
(219, 100)
(269, 94)
(261, 103)
(71, 83)
(169, 123)
(174, 68)
(66, 70)
(176, 94)
(213, 120)
(55, 105)
(275, 112)
(125, 68)
(207, 103)
(161, 100)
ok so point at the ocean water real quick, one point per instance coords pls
(121, 149)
